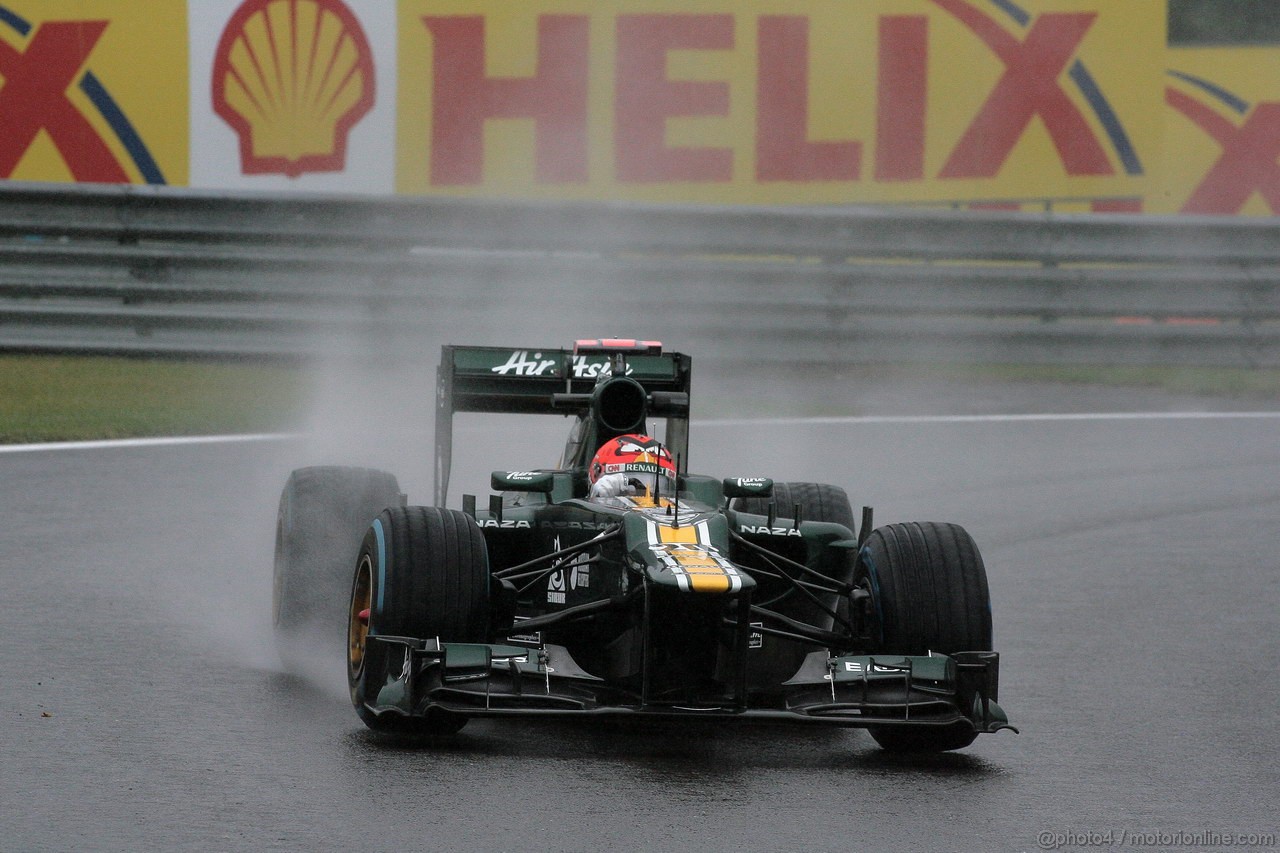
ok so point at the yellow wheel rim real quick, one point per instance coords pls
(361, 601)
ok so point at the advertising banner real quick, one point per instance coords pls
(293, 95)
(1066, 105)
(1222, 132)
(93, 91)
(770, 101)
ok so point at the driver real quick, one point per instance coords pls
(631, 465)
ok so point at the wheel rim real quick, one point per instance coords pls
(357, 628)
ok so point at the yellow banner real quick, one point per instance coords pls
(1222, 132)
(94, 90)
(1006, 102)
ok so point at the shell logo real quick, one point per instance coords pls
(292, 78)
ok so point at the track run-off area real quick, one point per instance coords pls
(1134, 564)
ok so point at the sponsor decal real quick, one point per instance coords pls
(585, 367)
(505, 524)
(575, 525)
(522, 475)
(556, 587)
(635, 467)
(524, 363)
(755, 640)
(763, 530)
(521, 363)
(574, 573)
(882, 100)
(292, 78)
(86, 94)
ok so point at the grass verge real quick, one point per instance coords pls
(67, 398)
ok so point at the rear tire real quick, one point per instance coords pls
(421, 572)
(818, 502)
(779, 659)
(929, 589)
(324, 511)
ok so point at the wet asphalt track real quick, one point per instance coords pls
(1135, 580)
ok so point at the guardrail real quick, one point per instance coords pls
(145, 270)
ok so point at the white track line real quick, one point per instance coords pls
(111, 444)
(981, 419)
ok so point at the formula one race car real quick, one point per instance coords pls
(677, 596)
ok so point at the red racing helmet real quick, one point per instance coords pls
(637, 456)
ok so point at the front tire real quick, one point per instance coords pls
(929, 585)
(929, 589)
(421, 572)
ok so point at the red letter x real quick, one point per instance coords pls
(1029, 87)
(1248, 160)
(34, 98)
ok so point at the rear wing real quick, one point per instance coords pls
(553, 382)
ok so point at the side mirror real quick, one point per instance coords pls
(748, 487)
(522, 481)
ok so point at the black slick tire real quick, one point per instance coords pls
(778, 659)
(817, 502)
(929, 589)
(323, 514)
(421, 572)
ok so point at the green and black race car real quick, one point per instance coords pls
(726, 599)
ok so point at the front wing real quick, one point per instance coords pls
(495, 680)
